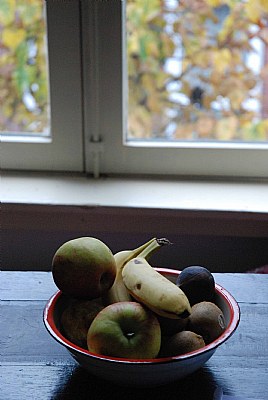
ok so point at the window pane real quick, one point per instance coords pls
(24, 89)
(198, 70)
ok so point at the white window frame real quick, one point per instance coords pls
(64, 150)
(102, 114)
(117, 157)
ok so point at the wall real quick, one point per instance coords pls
(221, 241)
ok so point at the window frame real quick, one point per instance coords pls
(89, 109)
(238, 160)
(64, 150)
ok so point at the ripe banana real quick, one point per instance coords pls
(118, 292)
(154, 290)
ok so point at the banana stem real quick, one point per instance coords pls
(154, 245)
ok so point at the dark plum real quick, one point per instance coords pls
(197, 283)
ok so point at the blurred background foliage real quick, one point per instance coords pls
(24, 93)
(188, 63)
(195, 72)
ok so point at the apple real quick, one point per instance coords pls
(84, 268)
(125, 329)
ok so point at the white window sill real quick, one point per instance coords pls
(165, 194)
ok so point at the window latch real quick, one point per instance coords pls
(96, 148)
(96, 145)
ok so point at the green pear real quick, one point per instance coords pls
(84, 268)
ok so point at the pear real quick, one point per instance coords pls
(77, 318)
(84, 268)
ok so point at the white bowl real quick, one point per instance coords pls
(147, 372)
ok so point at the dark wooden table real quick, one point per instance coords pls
(35, 367)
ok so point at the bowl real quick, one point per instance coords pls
(145, 372)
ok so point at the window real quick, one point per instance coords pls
(24, 69)
(88, 60)
(196, 71)
(58, 145)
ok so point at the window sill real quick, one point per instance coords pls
(166, 194)
(206, 207)
(223, 225)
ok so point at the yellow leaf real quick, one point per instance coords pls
(12, 38)
(152, 49)
(205, 126)
(214, 3)
(226, 128)
(228, 27)
(255, 9)
(222, 59)
(185, 131)
(139, 124)
(264, 5)
(237, 97)
(7, 11)
(168, 44)
(204, 58)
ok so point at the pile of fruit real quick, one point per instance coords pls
(120, 306)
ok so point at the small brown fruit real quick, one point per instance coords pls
(207, 320)
(197, 283)
(170, 326)
(180, 343)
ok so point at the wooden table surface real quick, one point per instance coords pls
(34, 366)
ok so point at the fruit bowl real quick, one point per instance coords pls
(143, 372)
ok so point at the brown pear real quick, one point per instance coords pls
(77, 318)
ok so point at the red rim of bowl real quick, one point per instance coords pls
(230, 329)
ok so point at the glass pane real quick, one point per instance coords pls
(24, 91)
(198, 70)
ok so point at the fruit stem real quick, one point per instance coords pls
(153, 246)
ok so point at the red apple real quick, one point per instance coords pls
(125, 329)
(84, 268)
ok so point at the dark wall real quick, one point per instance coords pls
(31, 235)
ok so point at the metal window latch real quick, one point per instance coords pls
(96, 148)
(96, 145)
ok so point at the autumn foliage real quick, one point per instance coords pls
(189, 71)
(197, 69)
(23, 67)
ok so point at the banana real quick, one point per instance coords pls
(154, 290)
(118, 292)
